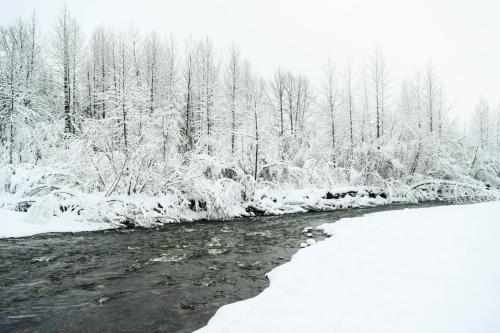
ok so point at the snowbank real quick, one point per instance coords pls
(18, 224)
(86, 212)
(415, 270)
(210, 192)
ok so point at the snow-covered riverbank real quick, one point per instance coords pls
(90, 212)
(54, 199)
(155, 211)
(19, 224)
(415, 270)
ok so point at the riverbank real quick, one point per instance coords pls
(91, 212)
(55, 200)
(44, 217)
(417, 270)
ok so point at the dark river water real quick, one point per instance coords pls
(168, 280)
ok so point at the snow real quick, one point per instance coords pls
(415, 270)
(54, 201)
(18, 224)
(48, 193)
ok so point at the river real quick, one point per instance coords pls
(171, 279)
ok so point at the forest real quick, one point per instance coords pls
(140, 129)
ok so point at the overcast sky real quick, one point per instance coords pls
(461, 37)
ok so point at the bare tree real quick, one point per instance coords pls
(278, 88)
(290, 87)
(123, 76)
(61, 48)
(188, 91)
(76, 42)
(349, 104)
(379, 84)
(481, 120)
(329, 92)
(257, 92)
(153, 55)
(430, 94)
(209, 70)
(20, 83)
(9, 86)
(232, 83)
(417, 91)
(365, 112)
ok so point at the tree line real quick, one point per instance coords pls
(128, 111)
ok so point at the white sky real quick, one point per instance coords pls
(461, 37)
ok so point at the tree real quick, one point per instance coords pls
(75, 45)
(232, 84)
(290, 88)
(430, 94)
(153, 55)
(379, 85)
(417, 92)
(9, 84)
(349, 106)
(22, 87)
(123, 78)
(62, 51)
(188, 92)
(257, 94)
(365, 111)
(481, 122)
(209, 72)
(278, 88)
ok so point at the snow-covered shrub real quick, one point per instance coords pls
(451, 191)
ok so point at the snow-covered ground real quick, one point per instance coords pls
(18, 224)
(415, 270)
